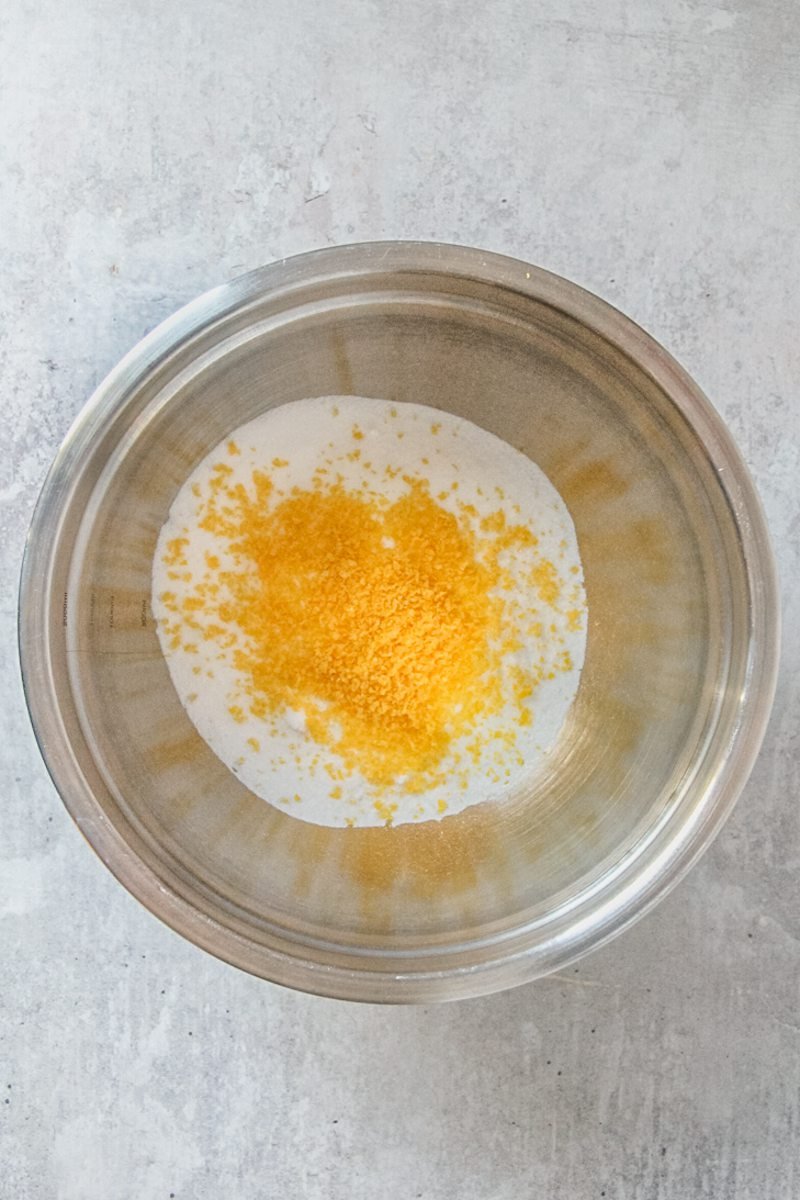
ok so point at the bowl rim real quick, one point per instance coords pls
(657, 873)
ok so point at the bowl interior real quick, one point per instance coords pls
(667, 598)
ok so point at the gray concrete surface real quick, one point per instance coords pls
(650, 152)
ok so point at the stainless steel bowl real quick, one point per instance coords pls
(682, 646)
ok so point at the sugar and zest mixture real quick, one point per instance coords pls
(391, 628)
(384, 622)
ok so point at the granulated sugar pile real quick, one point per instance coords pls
(373, 613)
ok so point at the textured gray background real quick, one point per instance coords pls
(650, 152)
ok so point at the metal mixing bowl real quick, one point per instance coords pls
(682, 646)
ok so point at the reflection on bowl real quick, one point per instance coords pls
(681, 654)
